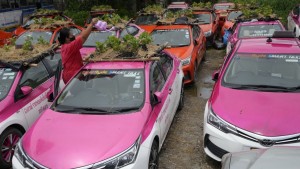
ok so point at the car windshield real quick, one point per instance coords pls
(131, 30)
(174, 37)
(234, 15)
(103, 91)
(221, 7)
(174, 10)
(98, 36)
(258, 30)
(146, 19)
(34, 36)
(281, 70)
(203, 18)
(7, 77)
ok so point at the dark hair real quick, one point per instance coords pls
(63, 34)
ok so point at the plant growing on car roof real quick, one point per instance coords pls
(155, 8)
(100, 47)
(28, 43)
(102, 8)
(130, 44)
(145, 39)
(42, 41)
(200, 5)
(6, 47)
(113, 42)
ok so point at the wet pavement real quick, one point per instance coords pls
(183, 147)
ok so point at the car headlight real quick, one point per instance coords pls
(220, 124)
(186, 61)
(121, 160)
(19, 153)
(207, 34)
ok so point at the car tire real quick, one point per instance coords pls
(204, 56)
(181, 99)
(154, 156)
(8, 140)
(195, 73)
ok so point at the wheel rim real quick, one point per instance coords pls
(153, 161)
(8, 147)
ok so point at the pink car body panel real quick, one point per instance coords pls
(75, 140)
(255, 111)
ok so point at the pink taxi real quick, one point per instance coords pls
(112, 114)
(177, 6)
(253, 29)
(23, 97)
(254, 103)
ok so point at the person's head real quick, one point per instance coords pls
(65, 36)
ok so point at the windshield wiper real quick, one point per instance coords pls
(80, 109)
(264, 87)
(127, 109)
(175, 46)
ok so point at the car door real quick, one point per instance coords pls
(159, 86)
(198, 44)
(38, 78)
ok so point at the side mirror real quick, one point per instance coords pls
(195, 42)
(157, 98)
(26, 90)
(215, 75)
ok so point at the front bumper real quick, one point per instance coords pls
(217, 143)
(140, 162)
(188, 71)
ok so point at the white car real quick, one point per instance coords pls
(294, 20)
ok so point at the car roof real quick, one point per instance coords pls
(260, 45)
(116, 65)
(224, 3)
(172, 27)
(275, 22)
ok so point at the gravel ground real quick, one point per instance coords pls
(183, 147)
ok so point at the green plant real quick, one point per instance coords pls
(100, 47)
(130, 44)
(155, 8)
(28, 43)
(113, 42)
(42, 41)
(111, 18)
(145, 38)
(6, 47)
(101, 8)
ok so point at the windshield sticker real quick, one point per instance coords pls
(276, 75)
(7, 70)
(137, 81)
(138, 77)
(186, 36)
(9, 74)
(11, 77)
(4, 77)
(287, 58)
(136, 86)
(172, 30)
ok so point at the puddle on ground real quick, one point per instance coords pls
(205, 93)
(207, 79)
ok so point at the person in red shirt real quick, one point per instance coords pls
(70, 50)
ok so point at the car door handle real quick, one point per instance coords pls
(170, 90)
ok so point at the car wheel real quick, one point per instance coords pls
(204, 56)
(153, 159)
(8, 140)
(181, 99)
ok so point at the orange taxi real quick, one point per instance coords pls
(4, 36)
(187, 42)
(230, 20)
(221, 9)
(208, 21)
(147, 21)
(19, 30)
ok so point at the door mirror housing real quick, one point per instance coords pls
(215, 75)
(157, 98)
(26, 90)
(195, 42)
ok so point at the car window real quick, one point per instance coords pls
(203, 18)
(98, 36)
(131, 30)
(146, 19)
(7, 76)
(234, 15)
(53, 60)
(246, 31)
(75, 31)
(34, 76)
(196, 32)
(34, 36)
(174, 37)
(157, 79)
(166, 64)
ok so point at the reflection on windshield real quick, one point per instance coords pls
(7, 77)
(203, 18)
(222, 7)
(46, 35)
(98, 37)
(234, 15)
(174, 37)
(146, 19)
(264, 69)
(258, 31)
(105, 90)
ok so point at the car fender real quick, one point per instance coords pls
(15, 119)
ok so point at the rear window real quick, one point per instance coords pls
(258, 31)
(203, 18)
(146, 19)
(35, 35)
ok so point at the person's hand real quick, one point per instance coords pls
(94, 21)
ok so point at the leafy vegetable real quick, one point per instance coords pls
(154, 9)
(28, 43)
(42, 41)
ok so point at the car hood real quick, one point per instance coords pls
(274, 157)
(63, 140)
(263, 113)
(206, 27)
(85, 51)
(180, 52)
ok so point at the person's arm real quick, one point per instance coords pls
(85, 33)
